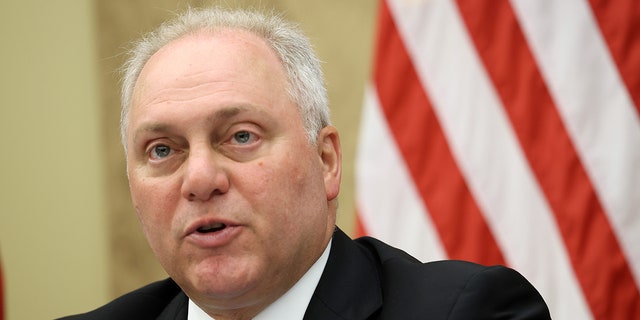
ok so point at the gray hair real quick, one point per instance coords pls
(306, 81)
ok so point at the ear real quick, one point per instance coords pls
(331, 156)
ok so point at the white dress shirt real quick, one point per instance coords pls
(292, 305)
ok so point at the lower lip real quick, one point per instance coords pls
(214, 239)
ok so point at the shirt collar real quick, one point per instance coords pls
(291, 305)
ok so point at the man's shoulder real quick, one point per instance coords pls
(400, 267)
(450, 288)
(396, 268)
(144, 303)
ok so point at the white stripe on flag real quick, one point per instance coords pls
(389, 205)
(595, 106)
(597, 113)
(483, 143)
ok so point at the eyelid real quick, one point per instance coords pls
(250, 128)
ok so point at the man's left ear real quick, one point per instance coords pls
(331, 156)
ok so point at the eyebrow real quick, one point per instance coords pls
(218, 116)
(227, 113)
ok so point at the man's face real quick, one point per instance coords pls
(234, 201)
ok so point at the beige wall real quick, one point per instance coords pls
(69, 240)
(52, 215)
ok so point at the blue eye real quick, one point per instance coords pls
(160, 151)
(242, 137)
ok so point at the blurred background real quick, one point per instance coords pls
(69, 240)
(495, 131)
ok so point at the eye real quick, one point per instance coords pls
(160, 151)
(243, 137)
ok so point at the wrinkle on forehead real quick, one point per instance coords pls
(193, 93)
(208, 58)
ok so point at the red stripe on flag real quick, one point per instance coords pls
(597, 258)
(619, 23)
(455, 214)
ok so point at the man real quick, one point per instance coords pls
(234, 172)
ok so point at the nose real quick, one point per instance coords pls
(204, 176)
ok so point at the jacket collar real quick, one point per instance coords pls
(350, 284)
(176, 309)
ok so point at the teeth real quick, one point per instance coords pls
(212, 228)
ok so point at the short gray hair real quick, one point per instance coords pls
(306, 81)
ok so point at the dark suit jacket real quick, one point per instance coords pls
(367, 279)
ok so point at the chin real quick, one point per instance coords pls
(221, 281)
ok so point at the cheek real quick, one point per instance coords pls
(281, 178)
(153, 202)
(294, 188)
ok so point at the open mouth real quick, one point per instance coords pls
(212, 228)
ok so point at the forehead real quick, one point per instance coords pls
(223, 57)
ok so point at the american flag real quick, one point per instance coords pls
(508, 132)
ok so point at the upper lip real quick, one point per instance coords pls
(206, 223)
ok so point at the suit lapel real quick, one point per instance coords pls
(176, 309)
(350, 284)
